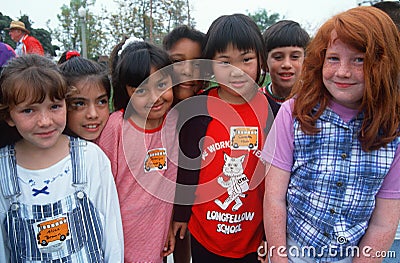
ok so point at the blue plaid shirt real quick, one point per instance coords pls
(331, 193)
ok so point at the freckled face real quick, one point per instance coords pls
(40, 124)
(343, 73)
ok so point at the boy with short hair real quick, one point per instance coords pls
(285, 43)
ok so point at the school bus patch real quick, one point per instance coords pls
(244, 138)
(156, 159)
(52, 232)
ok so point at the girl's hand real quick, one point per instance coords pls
(181, 227)
(169, 244)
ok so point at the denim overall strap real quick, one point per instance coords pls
(77, 151)
(89, 214)
(8, 172)
(83, 240)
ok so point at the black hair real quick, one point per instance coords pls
(285, 33)
(392, 9)
(240, 31)
(132, 65)
(78, 68)
(180, 32)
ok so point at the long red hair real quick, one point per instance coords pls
(372, 32)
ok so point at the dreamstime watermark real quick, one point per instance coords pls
(324, 251)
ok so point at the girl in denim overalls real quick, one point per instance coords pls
(58, 201)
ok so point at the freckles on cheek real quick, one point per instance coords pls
(327, 71)
(359, 71)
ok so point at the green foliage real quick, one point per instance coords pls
(263, 19)
(44, 38)
(69, 32)
(106, 28)
(132, 18)
(5, 23)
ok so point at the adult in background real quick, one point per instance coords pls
(25, 43)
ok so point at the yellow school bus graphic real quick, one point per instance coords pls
(156, 159)
(244, 137)
(52, 230)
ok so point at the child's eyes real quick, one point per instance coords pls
(223, 63)
(336, 59)
(27, 111)
(196, 64)
(278, 57)
(78, 104)
(248, 59)
(359, 60)
(332, 59)
(56, 106)
(162, 85)
(103, 101)
(140, 91)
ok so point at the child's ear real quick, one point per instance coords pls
(10, 122)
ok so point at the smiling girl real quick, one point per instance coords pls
(333, 183)
(140, 140)
(218, 145)
(90, 90)
(58, 199)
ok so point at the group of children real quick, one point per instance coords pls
(83, 185)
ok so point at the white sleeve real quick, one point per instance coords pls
(103, 194)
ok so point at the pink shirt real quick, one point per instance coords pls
(144, 165)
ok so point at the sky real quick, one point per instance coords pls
(309, 13)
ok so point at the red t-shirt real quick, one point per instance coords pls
(227, 215)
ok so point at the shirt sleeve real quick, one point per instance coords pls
(109, 139)
(278, 149)
(190, 136)
(390, 188)
(103, 193)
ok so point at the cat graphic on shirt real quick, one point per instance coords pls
(236, 185)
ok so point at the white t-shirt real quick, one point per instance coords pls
(48, 185)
